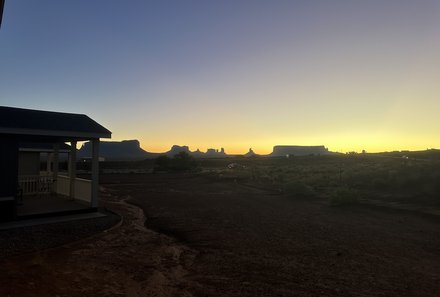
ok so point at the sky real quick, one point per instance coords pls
(347, 74)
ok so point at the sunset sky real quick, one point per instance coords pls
(350, 75)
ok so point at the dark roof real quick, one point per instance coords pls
(48, 123)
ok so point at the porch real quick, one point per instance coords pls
(50, 204)
(48, 194)
(30, 139)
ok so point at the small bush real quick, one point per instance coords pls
(380, 183)
(184, 162)
(343, 196)
(162, 163)
(180, 162)
(297, 188)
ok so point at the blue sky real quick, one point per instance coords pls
(351, 75)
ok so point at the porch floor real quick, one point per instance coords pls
(48, 203)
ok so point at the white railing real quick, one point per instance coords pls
(83, 188)
(35, 184)
(44, 184)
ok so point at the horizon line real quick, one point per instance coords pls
(269, 151)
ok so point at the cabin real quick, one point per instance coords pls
(38, 175)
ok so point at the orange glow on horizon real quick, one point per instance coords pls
(267, 149)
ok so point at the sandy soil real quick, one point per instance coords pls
(219, 238)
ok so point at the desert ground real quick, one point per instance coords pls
(214, 234)
(254, 242)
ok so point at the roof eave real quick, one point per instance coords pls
(51, 133)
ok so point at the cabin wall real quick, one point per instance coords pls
(8, 177)
(9, 166)
(29, 163)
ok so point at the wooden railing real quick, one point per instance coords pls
(35, 184)
(44, 184)
(83, 188)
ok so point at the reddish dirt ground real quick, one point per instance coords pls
(219, 238)
(251, 242)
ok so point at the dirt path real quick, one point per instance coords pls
(128, 260)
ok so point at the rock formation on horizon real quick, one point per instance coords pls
(215, 153)
(130, 150)
(250, 153)
(116, 150)
(175, 149)
(127, 150)
(298, 150)
(197, 154)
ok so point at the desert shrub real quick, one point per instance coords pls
(380, 183)
(162, 163)
(356, 177)
(434, 186)
(297, 188)
(180, 162)
(318, 180)
(279, 178)
(343, 196)
(236, 175)
(183, 162)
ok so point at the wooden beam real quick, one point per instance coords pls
(72, 169)
(49, 163)
(56, 165)
(95, 172)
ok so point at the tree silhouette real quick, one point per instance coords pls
(180, 162)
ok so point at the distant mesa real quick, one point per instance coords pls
(298, 150)
(116, 150)
(175, 149)
(214, 153)
(210, 153)
(197, 154)
(127, 150)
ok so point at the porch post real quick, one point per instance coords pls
(72, 169)
(56, 151)
(48, 163)
(95, 172)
